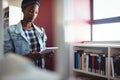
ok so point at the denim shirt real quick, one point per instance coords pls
(16, 41)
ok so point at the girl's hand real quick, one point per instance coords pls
(34, 52)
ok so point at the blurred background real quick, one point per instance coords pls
(63, 20)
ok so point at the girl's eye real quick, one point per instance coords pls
(31, 11)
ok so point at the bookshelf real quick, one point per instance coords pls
(96, 61)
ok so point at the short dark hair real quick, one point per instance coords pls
(26, 3)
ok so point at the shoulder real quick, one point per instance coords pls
(12, 28)
(16, 27)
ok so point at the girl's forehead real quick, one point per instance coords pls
(33, 6)
(27, 3)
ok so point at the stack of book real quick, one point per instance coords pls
(91, 62)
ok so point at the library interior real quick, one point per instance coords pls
(83, 40)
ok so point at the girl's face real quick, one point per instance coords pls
(30, 13)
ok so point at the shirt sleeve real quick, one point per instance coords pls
(8, 44)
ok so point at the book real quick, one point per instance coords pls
(103, 64)
(106, 65)
(49, 50)
(90, 63)
(81, 52)
(82, 61)
(96, 59)
(87, 61)
(77, 60)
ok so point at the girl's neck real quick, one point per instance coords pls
(26, 25)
